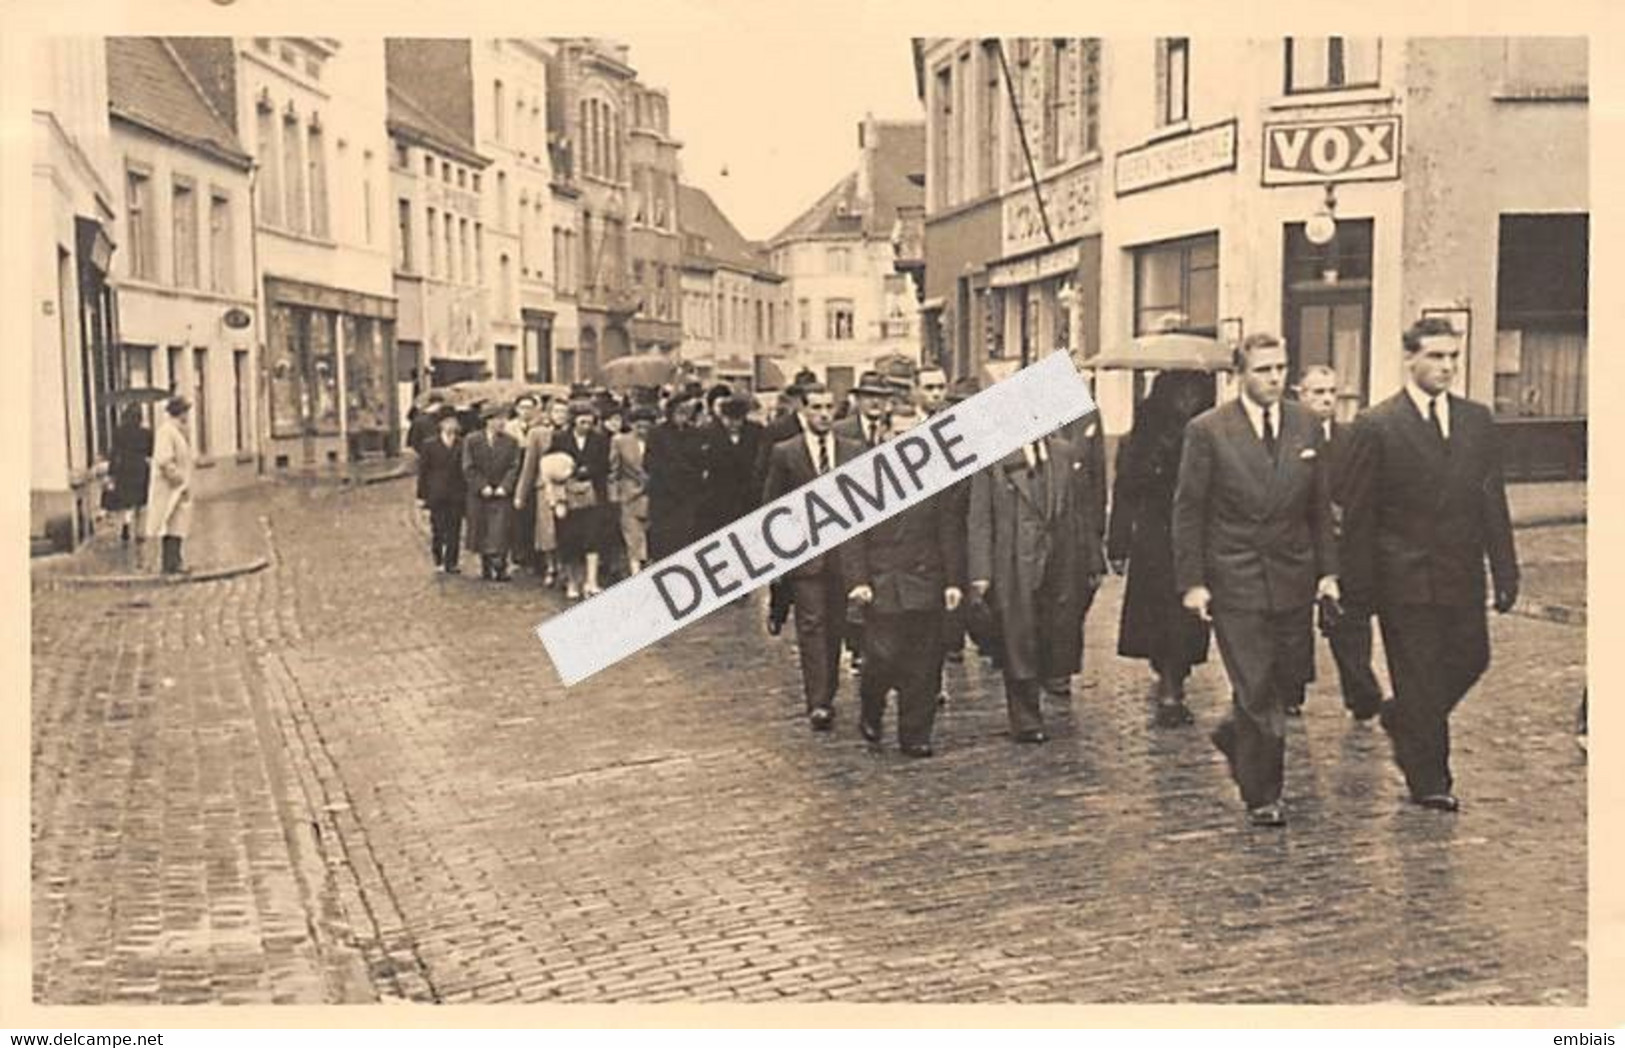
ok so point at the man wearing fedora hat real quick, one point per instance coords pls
(867, 425)
(169, 488)
(491, 461)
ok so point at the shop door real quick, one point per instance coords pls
(1332, 330)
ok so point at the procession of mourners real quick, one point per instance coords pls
(1244, 514)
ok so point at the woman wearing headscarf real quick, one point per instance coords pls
(1139, 540)
(129, 470)
(583, 531)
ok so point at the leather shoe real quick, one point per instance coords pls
(1266, 815)
(1174, 715)
(1366, 714)
(1445, 802)
(821, 719)
(1031, 737)
(917, 751)
(870, 732)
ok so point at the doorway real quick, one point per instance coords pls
(1326, 302)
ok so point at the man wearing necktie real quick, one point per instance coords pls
(1032, 559)
(1425, 507)
(1348, 634)
(818, 592)
(866, 427)
(1253, 547)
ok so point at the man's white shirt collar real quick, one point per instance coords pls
(1255, 415)
(1420, 398)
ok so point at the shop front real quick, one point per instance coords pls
(330, 360)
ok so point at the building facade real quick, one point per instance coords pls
(313, 113)
(76, 197)
(1315, 187)
(655, 244)
(188, 318)
(734, 324)
(848, 303)
(445, 300)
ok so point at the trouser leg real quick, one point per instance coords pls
(1350, 642)
(919, 675)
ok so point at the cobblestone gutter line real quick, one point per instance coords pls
(356, 908)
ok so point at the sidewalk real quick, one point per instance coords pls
(1555, 502)
(227, 539)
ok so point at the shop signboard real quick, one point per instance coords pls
(1348, 149)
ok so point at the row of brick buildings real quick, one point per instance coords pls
(303, 233)
(1188, 183)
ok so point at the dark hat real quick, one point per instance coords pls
(582, 406)
(806, 377)
(963, 389)
(178, 406)
(643, 413)
(444, 412)
(899, 386)
(736, 407)
(872, 383)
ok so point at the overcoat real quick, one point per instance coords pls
(130, 467)
(490, 461)
(169, 488)
(1030, 529)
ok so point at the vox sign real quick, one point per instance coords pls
(1355, 149)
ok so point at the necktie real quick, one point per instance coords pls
(1269, 432)
(1438, 423)
(874, 433)
(823, 455)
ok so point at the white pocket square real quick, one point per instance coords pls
(1307, 453)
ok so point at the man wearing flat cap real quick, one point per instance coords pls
(729, 448)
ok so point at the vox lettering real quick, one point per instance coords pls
(1356, 150)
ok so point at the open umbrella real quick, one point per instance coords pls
(141, 395)
(642, 369)
(1172, 351)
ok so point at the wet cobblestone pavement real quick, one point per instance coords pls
(347, 778)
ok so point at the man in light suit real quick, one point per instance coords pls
(1253, 547)
(817, 588)
(1425, 507)
(628, 486)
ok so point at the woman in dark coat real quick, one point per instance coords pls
(583, 533)
(1139, 539)
(491, 460)
(676, 473)
(129, 468)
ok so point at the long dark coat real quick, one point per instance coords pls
(130, 467)
(1154, 625)
(731, 487)
(586, 529)
(440, 473)
(672, 460)
(494, 462)
(1020, 541)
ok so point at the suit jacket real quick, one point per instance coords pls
(788, 468)
(592, 459)
(1257, 533)
(1025, 528)
(538, 442)
(851, 428)
(628, 482)
(780, 429)
(1420, 518)
(1087, 438)
(440, 473)
(730, 486)
(909, 558)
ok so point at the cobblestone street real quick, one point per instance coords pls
(346, 778)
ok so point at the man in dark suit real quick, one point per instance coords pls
(786, 423)
(1349, 633)
(867, 425)
(1036, 558)
(728, 451)
(907, 573)
(1253, 547)
(1425, 506)
(443, 490)
(817, 588)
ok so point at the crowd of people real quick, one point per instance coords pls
(1244, 522)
